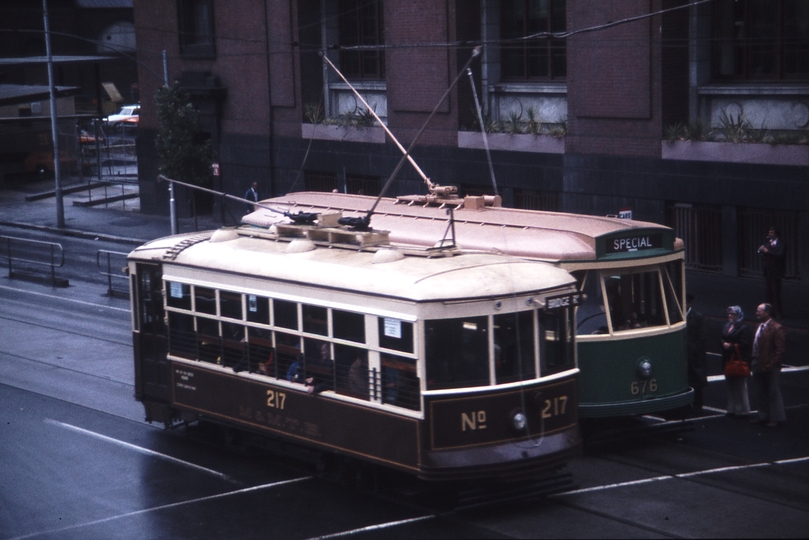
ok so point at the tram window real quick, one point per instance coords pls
(556, 342)
(635, 300)
(400, 383)
(178, 295)
(349, 326)
(591, 316)
(514, 347)
(395, 334)
(457, 352)
(351, 365)
(315, 320)
(286, 314)
(287, 351)
(204, 300)
(673, 285)
(233, 349)
(258, 309)
(230, 305)
(260, 352)
(208, 340)
(182, 338)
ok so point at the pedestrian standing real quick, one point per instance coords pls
(252, 196)
(773, 250)
(737, 339)
(697, 368)
(768, 353)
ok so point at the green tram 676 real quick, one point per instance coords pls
(631, 329)
(438, 363)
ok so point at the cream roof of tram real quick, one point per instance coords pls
(551, 236)
(414, 278)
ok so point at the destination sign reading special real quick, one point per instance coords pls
(634, 243)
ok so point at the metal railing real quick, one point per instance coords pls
(36, 252)
(107, 270)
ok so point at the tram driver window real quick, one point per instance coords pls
(457, 352)
(514, 347)
(635, 300)
(556, 341)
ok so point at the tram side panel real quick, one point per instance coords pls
(293, 414)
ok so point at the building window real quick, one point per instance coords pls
(527, 59)
(361, 24)
(700, 228)
(760, 40)
(195, 19)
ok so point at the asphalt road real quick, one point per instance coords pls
(78, 461)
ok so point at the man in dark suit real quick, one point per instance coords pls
(697, 358)
(252, 197)
(768, 353)
(774, 252)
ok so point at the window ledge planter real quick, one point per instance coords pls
(758, 153)
(544, 144)
(370, 134)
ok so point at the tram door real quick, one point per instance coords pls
(152, 373)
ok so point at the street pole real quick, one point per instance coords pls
(60, 204)
(172, 201)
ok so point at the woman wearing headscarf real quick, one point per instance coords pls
(736, 333)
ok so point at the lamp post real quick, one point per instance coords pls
(57, 173)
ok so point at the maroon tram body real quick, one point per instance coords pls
(466, 371)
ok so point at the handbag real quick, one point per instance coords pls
(736, 367)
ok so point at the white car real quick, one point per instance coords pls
(128, 114)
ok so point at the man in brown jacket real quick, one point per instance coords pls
(768, 352)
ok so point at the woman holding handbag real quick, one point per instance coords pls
(737, 339)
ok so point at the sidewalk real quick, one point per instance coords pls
(123, 222)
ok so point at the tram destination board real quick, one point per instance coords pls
(634, 242)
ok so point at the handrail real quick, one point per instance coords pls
(109, 273)
(22, 250)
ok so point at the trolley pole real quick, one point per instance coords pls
(57, 173)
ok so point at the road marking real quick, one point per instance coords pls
(63, 298)
(165, 506)
(138, 449)
(681, 475)
(373, 527)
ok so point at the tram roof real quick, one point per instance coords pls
(415, 278)
(550, 236)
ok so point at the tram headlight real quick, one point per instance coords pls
(644, 368)
(519, 421)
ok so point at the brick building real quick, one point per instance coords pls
(591, 106)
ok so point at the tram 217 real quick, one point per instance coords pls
(443, 364)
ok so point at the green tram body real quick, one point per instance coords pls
(624, 371)
(465, 363)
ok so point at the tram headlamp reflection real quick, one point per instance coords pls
(519, 421)
(644, 368)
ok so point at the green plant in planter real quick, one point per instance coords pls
(534, 124)
(313, 113)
